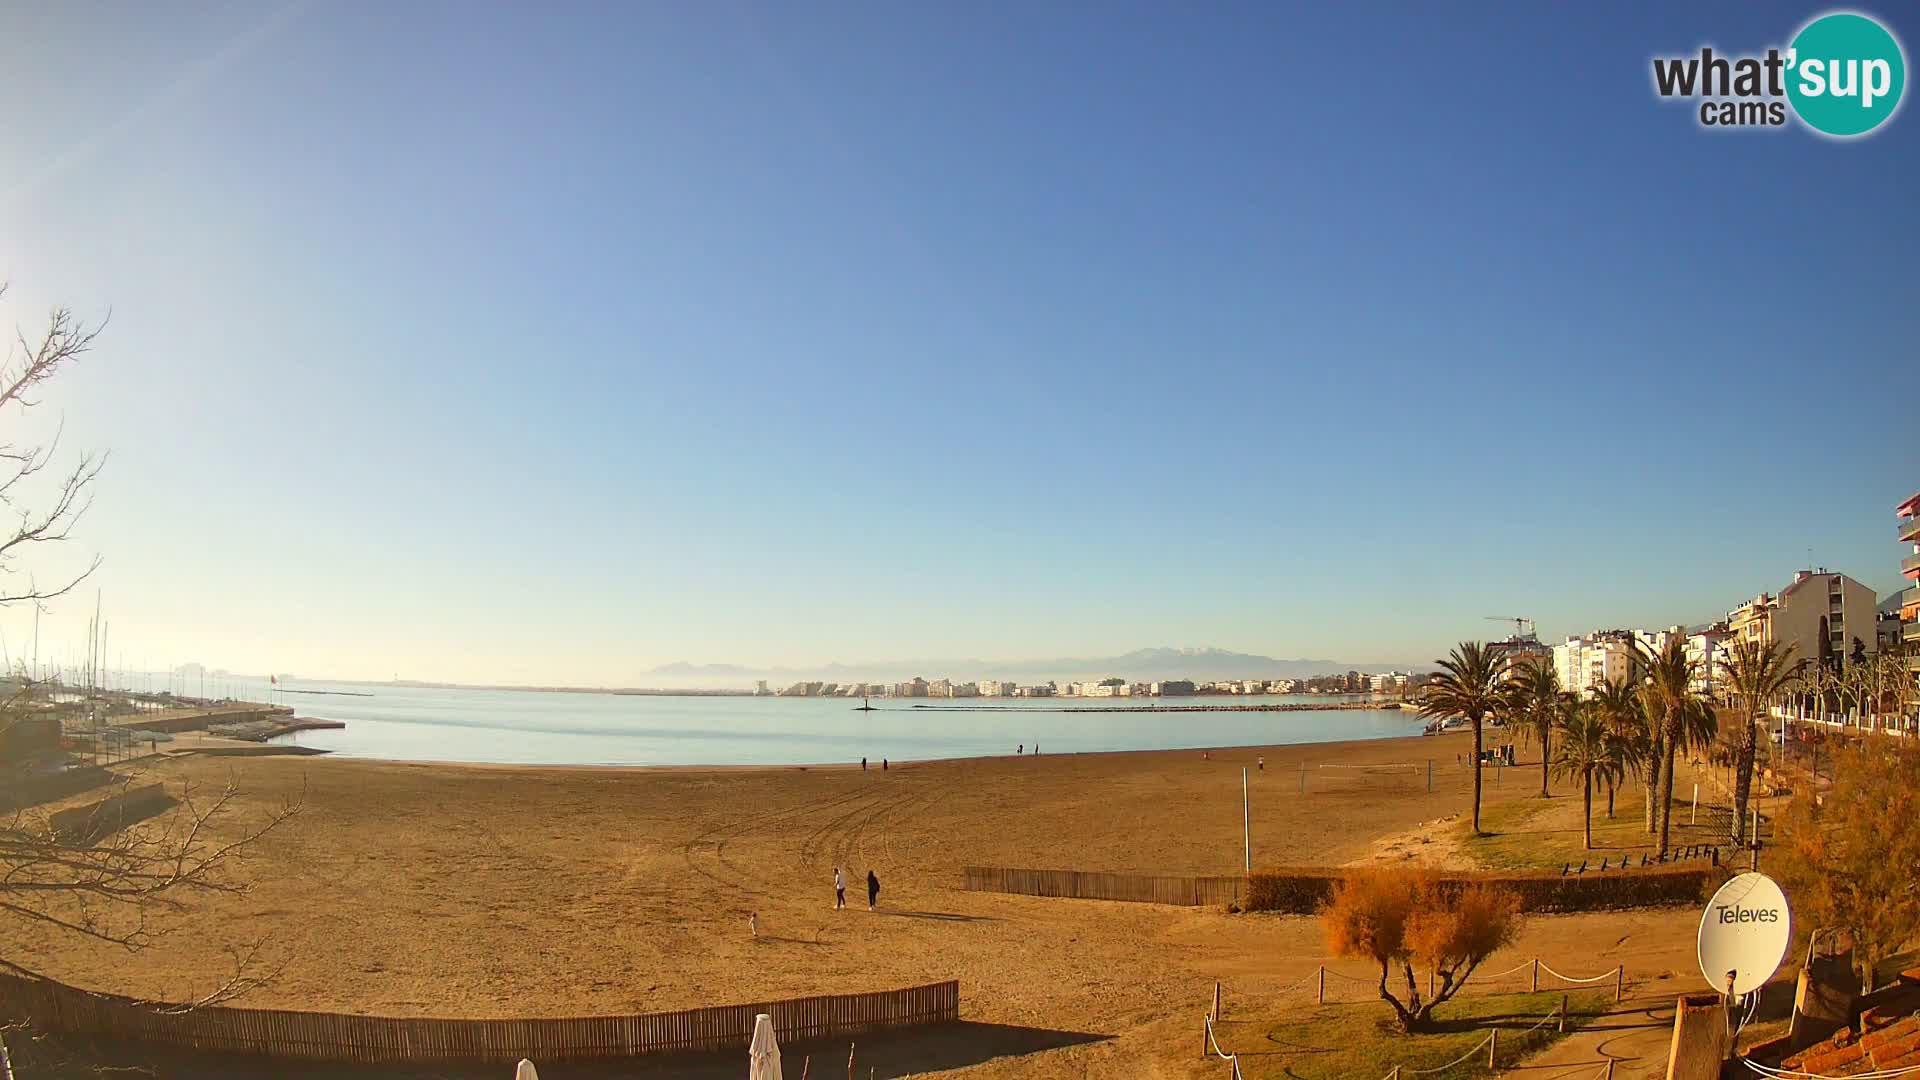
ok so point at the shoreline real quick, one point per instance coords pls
(896, 764)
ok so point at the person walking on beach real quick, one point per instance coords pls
(753, 923)
(883, 764)
(839, 889)
(863, 764)
(873, 890)
(1021, 749)
(1263, 764)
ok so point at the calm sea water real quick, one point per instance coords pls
(521, 727)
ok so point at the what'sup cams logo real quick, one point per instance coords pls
(1842, 76)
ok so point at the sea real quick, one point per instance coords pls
(411, 723)
(534, 727)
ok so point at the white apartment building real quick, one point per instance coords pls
(1586, 663)
(1707, 649)
(1388, 682)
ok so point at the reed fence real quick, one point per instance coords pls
(1088, 885)
(56, 1007)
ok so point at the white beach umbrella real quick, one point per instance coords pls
(763, 1057)
(525, 1071)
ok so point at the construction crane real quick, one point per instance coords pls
(1522, 626)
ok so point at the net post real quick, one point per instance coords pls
(1493, 1046)
(1563, 1013)
(1619, 983)
(1534, 987)
(1320, 992)
(1216, 999)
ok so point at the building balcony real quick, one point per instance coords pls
(1908, 529)
(1910, 632)
(1908, 601)
(1910, 566)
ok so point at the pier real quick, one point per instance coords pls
(198, 716)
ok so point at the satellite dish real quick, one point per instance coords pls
(1744, 932)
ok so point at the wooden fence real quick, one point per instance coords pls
(64, 1009)
(108, 816)
(1085, 885)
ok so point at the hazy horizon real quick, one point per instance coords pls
(549, 348)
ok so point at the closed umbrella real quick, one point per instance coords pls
(763, 1057)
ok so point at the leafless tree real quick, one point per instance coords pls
(37, 521)
(113, 876)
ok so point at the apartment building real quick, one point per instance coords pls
(1908, 514)
(1823, 615)
(1707, 649)
(1588, 662)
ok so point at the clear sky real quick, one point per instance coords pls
(556, 343)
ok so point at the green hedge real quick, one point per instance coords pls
(1304, 891)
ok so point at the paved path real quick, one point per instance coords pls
(1636, 1034)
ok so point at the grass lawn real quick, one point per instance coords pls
(1545, 834)
(1363, 1042)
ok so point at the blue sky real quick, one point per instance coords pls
(554, 345)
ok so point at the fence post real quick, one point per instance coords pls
(1216, 999)
(1534, 988)
(1563, 1013)
(1320, 991)
(1609, 1069)
(1619, 982)
(1493, 1046)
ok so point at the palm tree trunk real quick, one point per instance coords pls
(1651, 788)
(1609, 800)
(1476, 776)
(1666, 796)
(1589, 801)
(1743, 782)
(1546, 756)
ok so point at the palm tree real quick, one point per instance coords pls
(1535, 700)
(1588, 752)
(1681, 717)
(1469, 686)
(1618, 702)
(1757, 673)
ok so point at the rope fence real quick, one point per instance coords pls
(1214, 1046)
(1366, 986)
(1491, 1045)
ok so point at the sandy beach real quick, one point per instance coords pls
(445, 890)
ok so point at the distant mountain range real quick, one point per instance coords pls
(1140, 664)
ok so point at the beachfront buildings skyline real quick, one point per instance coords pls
(1385, 683)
